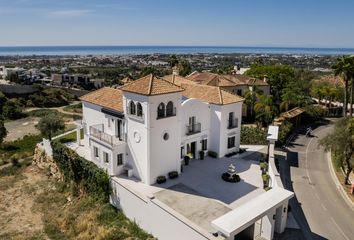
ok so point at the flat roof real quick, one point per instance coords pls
(240, 218)
(273, 133)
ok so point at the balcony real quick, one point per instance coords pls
(232, 123)
(97, 132)
(193, 129)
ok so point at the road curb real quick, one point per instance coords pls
(338, 184)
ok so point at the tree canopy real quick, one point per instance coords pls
(341, 143)
(50, 124)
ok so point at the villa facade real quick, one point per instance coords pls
(148, 126)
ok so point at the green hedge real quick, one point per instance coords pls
(253, 135)
(85, 175)
(284, 131)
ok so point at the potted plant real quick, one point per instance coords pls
(264, 167)
(186, 160)
(173, 174)
(161, 179)
(201, 155)
(265, 178)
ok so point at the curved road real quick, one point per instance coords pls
(318, 206)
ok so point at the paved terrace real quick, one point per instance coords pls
(200, 194)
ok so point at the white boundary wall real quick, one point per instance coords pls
(154, 216)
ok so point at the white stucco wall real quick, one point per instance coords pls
(201, 111)
(164, 154)
(155, 217)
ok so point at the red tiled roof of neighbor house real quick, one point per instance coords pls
(151, 85)
(239, 79)
(106, 97)
(211, 79)
(178, 80)
(210, 94)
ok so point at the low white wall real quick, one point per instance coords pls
(153, 216)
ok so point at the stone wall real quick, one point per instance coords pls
(46, 162)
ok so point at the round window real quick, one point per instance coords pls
(166, 136)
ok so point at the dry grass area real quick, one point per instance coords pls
(32, 206)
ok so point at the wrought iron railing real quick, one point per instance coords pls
(193, 129)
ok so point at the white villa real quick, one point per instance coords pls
(144, 130)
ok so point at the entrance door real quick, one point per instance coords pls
(193, 148)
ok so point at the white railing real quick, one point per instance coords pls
(97, 132)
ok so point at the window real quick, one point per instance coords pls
(182, 149)
(95, 150)
(139, 110)
(204, 144)
(239, 92)
(106, 157)
(231, 142)
(120, 159)
(161, 110)
(169, 109)
(132, 107)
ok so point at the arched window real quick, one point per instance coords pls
(139, 110)
(161, 110)
(169, 109)
(132, 108)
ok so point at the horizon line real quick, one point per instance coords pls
(153, 45)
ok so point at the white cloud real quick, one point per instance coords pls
(69, 13)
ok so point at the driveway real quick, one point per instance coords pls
(318, 207)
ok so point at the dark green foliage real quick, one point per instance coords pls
(173, 174)
(3, 131)
(160, 179)
(12, 109)
(284, 131)
(51, 97)
(50, 124)
(314, 113)
(84, 174)
(253, 135)
(212, 154)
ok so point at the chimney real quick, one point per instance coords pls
(175, 71)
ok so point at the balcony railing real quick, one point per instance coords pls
(232, 123)
(193, 129)
(97, 132)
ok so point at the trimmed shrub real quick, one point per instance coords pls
(173, 175)
(263, 165)
(160, 179)
(253, 135)
(84, 174)
(284, 131)
(212, 154)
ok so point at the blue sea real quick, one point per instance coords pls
(124, 50)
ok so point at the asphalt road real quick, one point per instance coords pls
(318, 206)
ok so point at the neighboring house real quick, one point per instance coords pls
(127, 127)
(62, 79)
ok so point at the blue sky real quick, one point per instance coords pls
(285, 23)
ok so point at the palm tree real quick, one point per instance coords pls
(345, 68)
(251, 97)
(265, 110)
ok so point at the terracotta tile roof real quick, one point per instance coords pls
(211, 79)
(106, 97)
(151, 85)
(178, 80)
(239, 79)
(210, 94)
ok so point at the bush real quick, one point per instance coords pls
(84, 174)
(173, 175)
(14, 161)
(226, 177)
(161, 179)
(263, 165)
(212, 154)
(284, 131)
(253, 135)
(314, 113)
